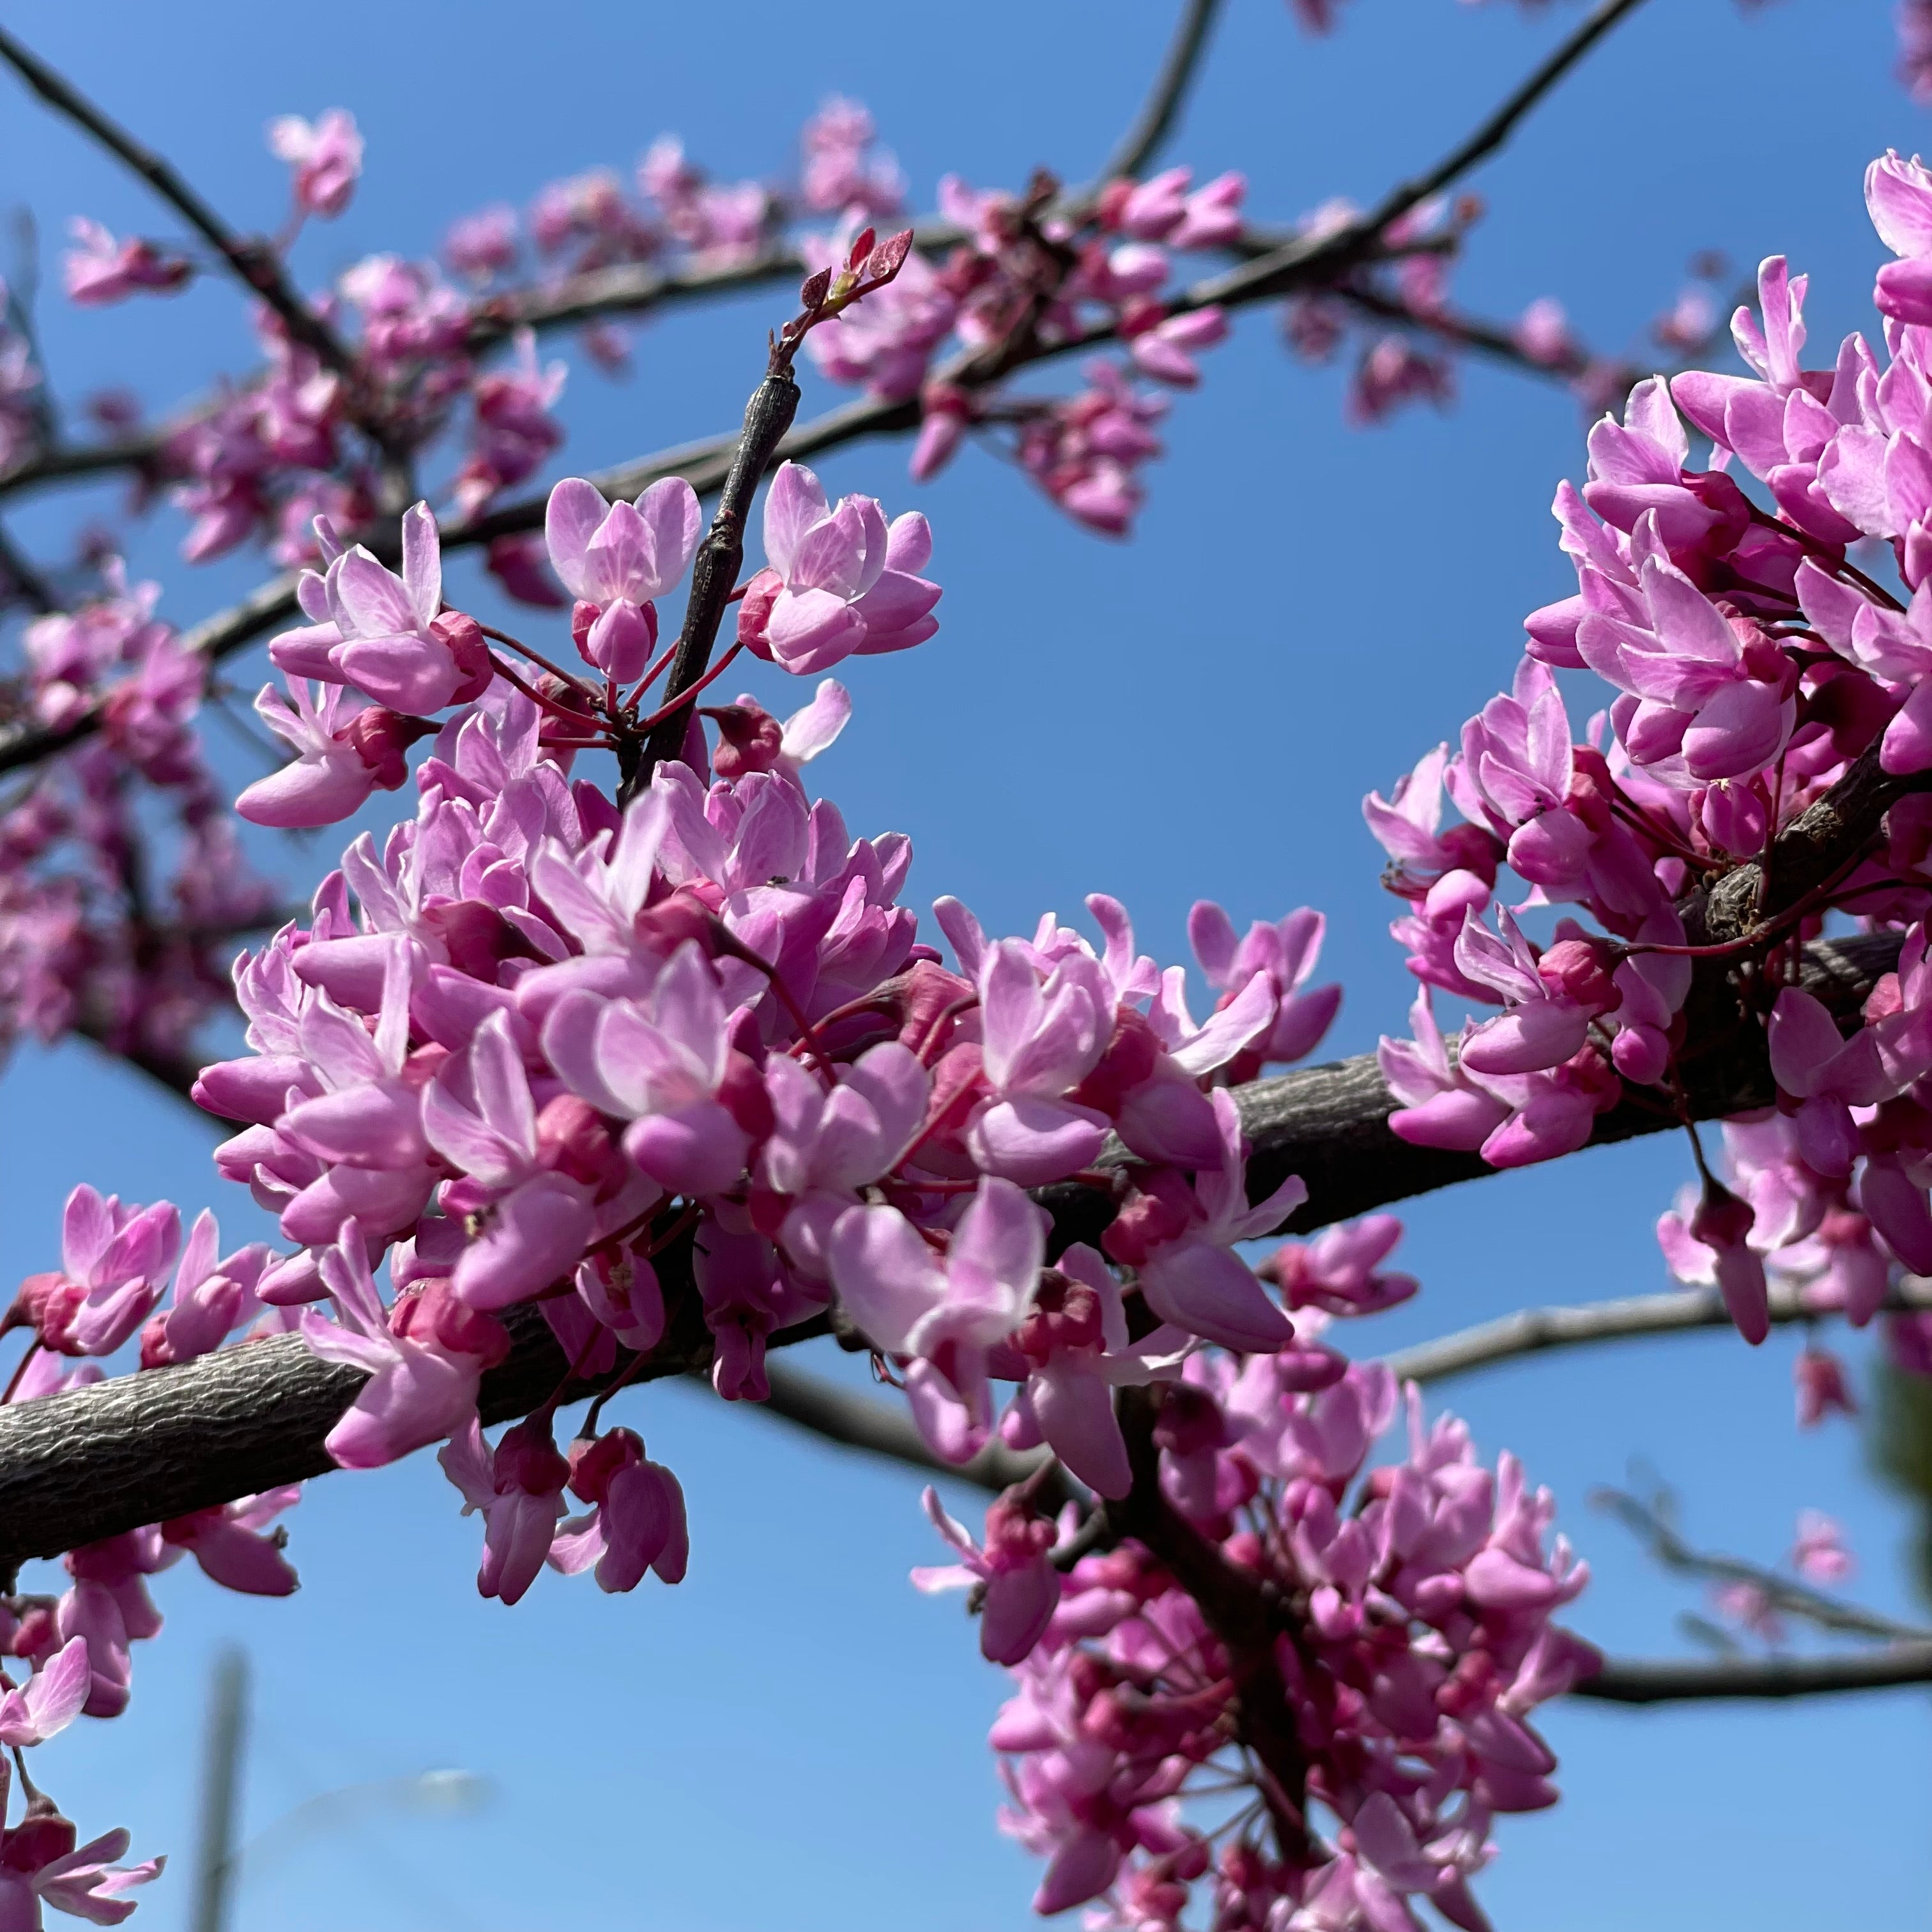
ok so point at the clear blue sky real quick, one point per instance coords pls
(792, 1739)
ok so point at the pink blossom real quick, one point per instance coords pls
(1022, 1589)
(326, 155)
(1819, 1553)
(344, 751)
(52, 1699)
(636, 1522)
(1178, 1238)
(839, 580)
(40, 1864)
(950, 1310)
(519, 1487)
(423, 1373)
(615, 559)
(112, 1259)
(100, 270)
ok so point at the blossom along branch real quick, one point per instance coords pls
(632, 288)
(611, 1087)
(100, 1460)
(867, 1422)
(1297, 261)
(254, 264)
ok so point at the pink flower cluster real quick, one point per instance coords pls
(89, 937)
(1425, 1645)
(1751, 661)
(532, 1042)
(1031, 271)
(113, 1283)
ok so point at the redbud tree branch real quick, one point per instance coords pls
(1494, 133)
(1155, 121)
(1532, 1331)
(768, 415)
(883, 1429)
(253, 262)
(141, 1448)
(1651, 1524)
(1679, 1680)
(1297, 263)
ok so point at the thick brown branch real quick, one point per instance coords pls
(1672, 1680)
(73, 1468)
(1819, 846)
(1236, 1606)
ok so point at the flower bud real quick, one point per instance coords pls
(594, 1460)
(464, 636)
(1160, 1209)
(1722, 1219)
(526, 1459)
(1579, 969)
(380, 737)
(571, 1138)
(749, 738)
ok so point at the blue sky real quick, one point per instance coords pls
(792, 1739)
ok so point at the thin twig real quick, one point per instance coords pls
(1529, 1331)
(1155, 121)
(809, 1402)
(24, 577)
(768, 415)
(1495, 131)
(253, 261)
(1647, 1522)
(1298, 261)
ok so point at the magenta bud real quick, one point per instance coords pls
(1190, 1420)
(571, 1138)
(1722, 1219)
(526, 1459)
(467, 646)
(1470, 849)
(477, 937)
(1160, 1209)
(749, 739)
(744, 1095)
(1579, 968)
(594, 1461)
(381, 737)
(754, 612)
(1131, 1057)
(813, 290)
(429, 1314)
(862, 247)
(1113, 199)
(1066, 1314)
(582, 614)
(42, 1836)
(680, 916)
